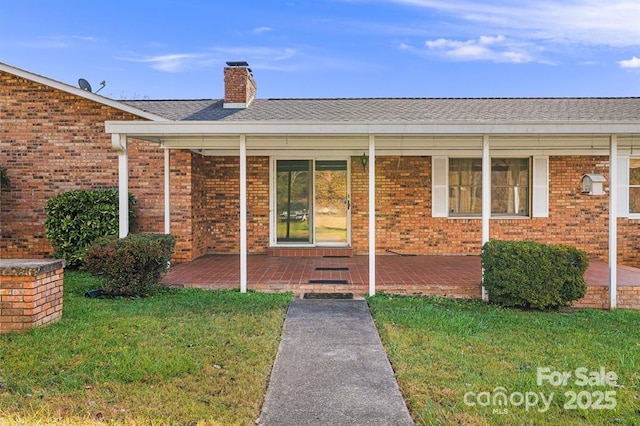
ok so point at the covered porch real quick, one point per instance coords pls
(372, 222)
(446, 276)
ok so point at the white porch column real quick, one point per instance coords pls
(372, 215)
(167, 193)
(486, 199)
(243, 214)
(613, 222)
(119, 143)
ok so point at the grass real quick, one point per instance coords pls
(177, 357)
(442, 349)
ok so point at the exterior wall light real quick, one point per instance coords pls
(364, 160)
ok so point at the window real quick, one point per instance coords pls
(634, 185)
(465, 186)
(510, 186)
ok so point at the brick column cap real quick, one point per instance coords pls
(29, 267)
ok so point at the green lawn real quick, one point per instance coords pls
(443, 350)
(203, 357)
(178, 357)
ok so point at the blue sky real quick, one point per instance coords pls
(166, 49)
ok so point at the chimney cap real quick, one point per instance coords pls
(238, 64)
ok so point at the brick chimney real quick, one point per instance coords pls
(239, 85)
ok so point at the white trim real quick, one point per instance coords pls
(234, 105)
(613, 222)
(486, 199)
(243, 214)
(167, 128)
(372, 215)
(167, 192)
(79, 92)
(120, 141)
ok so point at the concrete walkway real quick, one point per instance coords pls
(331, 369)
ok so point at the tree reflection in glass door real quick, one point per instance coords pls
(293, 200)
(331, 202)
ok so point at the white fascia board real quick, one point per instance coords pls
(79, 92)
(174, 128)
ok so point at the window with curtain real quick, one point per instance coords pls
(465, 186)
(634, 185)
(510, 187)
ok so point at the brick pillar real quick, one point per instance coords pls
(30, 293)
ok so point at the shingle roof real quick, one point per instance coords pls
(402, 110)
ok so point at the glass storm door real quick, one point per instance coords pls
(331, 202)
(312, 202)
(293, 201)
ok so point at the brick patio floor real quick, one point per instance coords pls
(457, 276)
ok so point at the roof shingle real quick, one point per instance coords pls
(402, 110)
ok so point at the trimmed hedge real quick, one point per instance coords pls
(130, 266)
(533, 275)
(77, 218)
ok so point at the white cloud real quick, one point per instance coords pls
(484, 48)
(592, 22)
(56, 42)
(491, 40)
(261, 30)
(632, 63)
(172, 62)
(253, 53)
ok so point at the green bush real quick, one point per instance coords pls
(130, 266)
(533, 275)
(77, 218)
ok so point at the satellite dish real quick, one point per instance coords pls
(84, 85)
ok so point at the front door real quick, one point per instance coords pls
(332, 203)
(312, 202)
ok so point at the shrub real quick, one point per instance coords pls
(77, 218)
(529, 274)
(130, 266)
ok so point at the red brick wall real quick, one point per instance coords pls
(403, 209)
(597, 297)
(215, 197)
(181, 211)
(629, 241)
(404, 223)
(28, 301)
(629, 297)
(51, 142)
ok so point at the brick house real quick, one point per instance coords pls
(256, 176)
